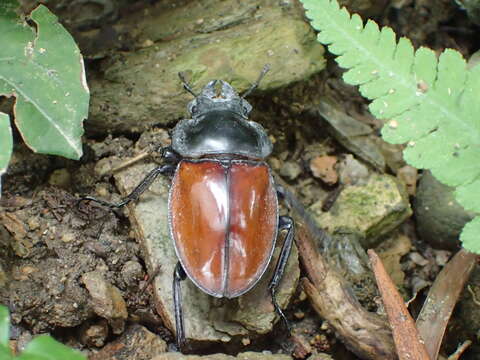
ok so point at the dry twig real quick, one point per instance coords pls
(405, 334)
(441, 300)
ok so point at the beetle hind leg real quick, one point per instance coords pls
(178, 276)
(284, 223)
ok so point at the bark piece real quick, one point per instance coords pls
(408, 342)
(364, 333)
(441, 300)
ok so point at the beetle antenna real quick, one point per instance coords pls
(265, 69)
(186, 86)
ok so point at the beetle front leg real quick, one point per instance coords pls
(284, 223)
(139, 190)
(178, 275)
(171, 157)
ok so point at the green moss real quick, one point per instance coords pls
(372, 209)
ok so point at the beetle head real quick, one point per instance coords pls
(218, 95)
(219, 123)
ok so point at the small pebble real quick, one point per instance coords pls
(323, 167)
(352, 171)
(147, 43)
(290, 170)
(27, 270)
(302, 296)
(418, 259)
(132, 273)
(95, 335)
(299, 315)
(408, 174)
(33, 223)
(107, 300)
(60, 178)
(68, 237)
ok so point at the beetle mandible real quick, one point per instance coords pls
(223, 207)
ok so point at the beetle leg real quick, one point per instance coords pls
(139, 190)
(169, 155)
(284, 223)
(178, 275)
(283, 195)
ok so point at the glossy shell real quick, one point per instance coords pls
(220, 132)
(223, 220)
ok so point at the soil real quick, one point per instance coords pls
(48, 240)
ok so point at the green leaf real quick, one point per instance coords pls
(468, 195)
(470, 235)
(431, 104)
(43, 69)
(4, 325)
(44, 347)
(6, 145)
(5, 353)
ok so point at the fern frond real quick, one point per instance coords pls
(430, 103)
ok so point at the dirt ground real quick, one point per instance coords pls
(49, 241)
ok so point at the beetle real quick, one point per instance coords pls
(223, 201)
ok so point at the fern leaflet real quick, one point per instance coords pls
(430, 103)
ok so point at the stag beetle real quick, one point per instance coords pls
(223, 207)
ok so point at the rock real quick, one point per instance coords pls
(323, 167)
(474, 60)
(60, 178)
(366, 8)
(393, 154)
(440, 219)
(141, 88)
(17, 228)
(48, 297)
(409, 175)
(136, 343)
(3, 277)
(472, 7)
(290, 170)
(391, 251)
(351, 133)
(23, 339)
(352, 171)
(207, 319)
(242, 356)
(320, 357)
(94, 335)
(302, 349)
(418, 259)
(132, 273)
(107, 300)
(371, 209)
